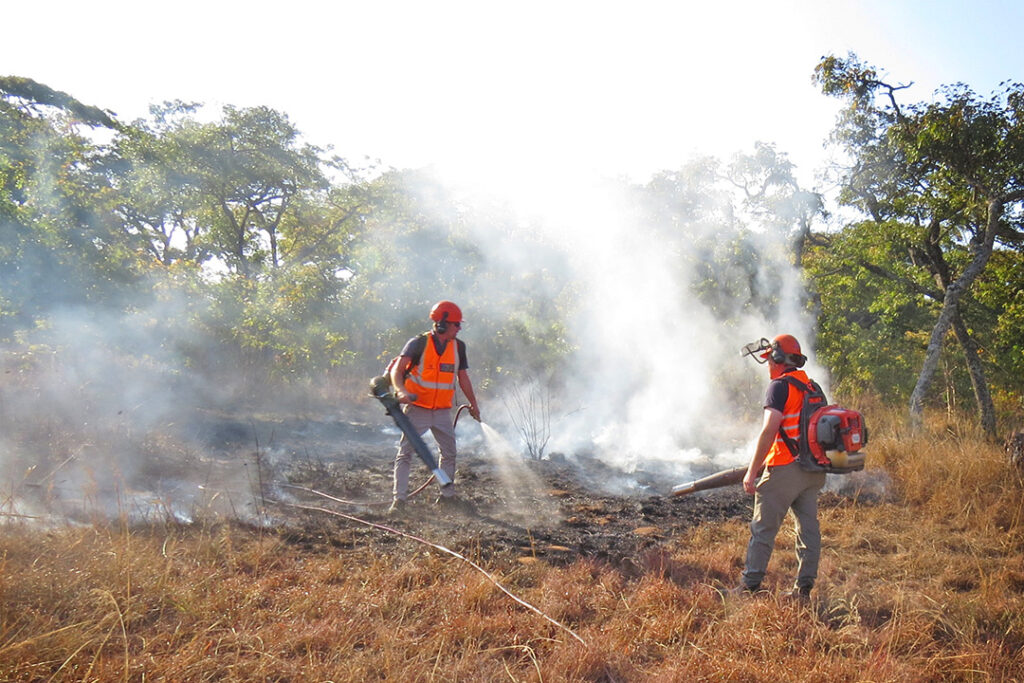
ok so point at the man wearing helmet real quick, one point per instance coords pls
(425, 377)
(784, 485)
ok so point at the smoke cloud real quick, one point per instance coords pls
(655, 382)
(102, 415)
(134, 410)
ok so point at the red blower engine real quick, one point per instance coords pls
(831, 436)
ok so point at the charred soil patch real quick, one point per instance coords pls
(529, 510)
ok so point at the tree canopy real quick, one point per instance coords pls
(255, 254)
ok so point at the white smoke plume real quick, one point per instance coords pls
(656, 382)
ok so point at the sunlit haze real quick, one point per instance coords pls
(494, 91)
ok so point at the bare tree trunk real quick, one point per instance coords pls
(940, 269)
(982, 396)
(982, 248)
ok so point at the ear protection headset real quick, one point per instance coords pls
(778, 355)
(442, 325)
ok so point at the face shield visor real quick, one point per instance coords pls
(758, 350)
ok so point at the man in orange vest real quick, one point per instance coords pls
(784, 485)
(425, 376)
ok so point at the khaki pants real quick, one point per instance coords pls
(781, 489)
(439, 422)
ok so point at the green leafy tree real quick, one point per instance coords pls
(60, 244)
(243, 198)
(219, 191)
(420, 242)
(999, 293)
(735, 229)
(870, 317)
(160, 190)
(251, 169)
(34, 98)
(695, 219)
(944, 178)
(774, 198)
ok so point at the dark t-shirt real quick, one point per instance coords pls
(414, 349)
(777, 394)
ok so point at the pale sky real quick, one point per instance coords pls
(493, 89)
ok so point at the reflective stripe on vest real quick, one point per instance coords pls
(433, 379)
(779, 453)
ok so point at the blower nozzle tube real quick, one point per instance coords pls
(380, 388)
(712, 481)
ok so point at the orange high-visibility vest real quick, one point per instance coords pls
(433, 379)
(779, 453)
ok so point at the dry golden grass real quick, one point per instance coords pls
(925, 584)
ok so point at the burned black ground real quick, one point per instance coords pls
(546, 509)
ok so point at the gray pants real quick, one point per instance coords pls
(779, 490)
(439, 422)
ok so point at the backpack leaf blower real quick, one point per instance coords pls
(831, 436)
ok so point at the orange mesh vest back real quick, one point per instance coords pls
(779, 453)
(433, 379)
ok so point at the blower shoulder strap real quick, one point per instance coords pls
(810, 389)
(423, 341)
(795, 382)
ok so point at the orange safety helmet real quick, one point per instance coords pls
(785, 350)
(447, 312)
